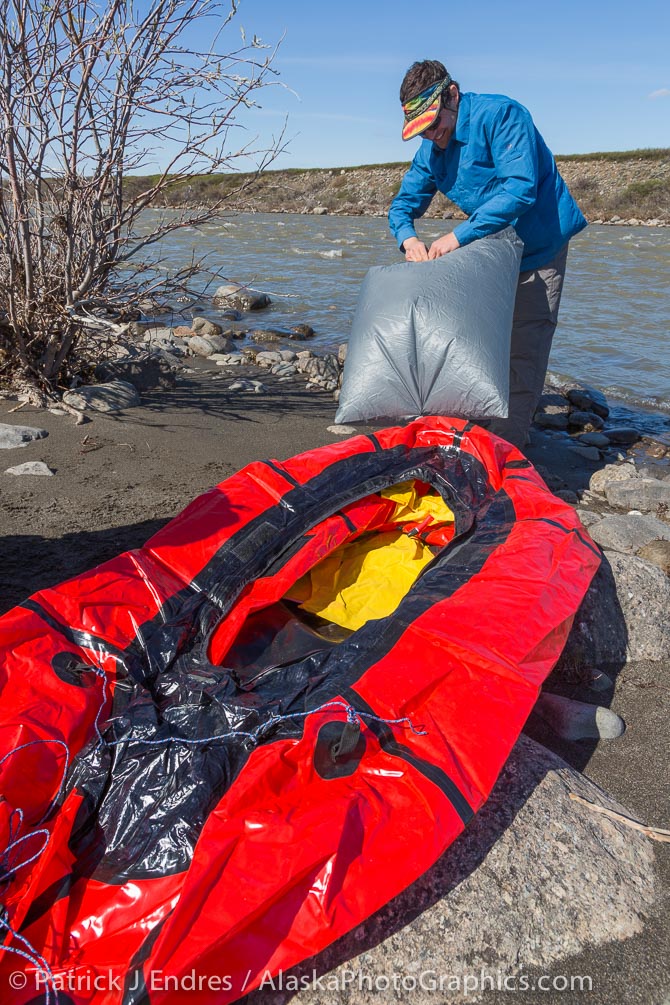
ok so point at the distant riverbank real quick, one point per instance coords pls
(630, 187)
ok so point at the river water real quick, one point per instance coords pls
(615, 312)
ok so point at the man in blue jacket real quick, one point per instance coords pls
(485, 154)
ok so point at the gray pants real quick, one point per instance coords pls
(538, 297)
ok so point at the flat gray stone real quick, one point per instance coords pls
(628, 533)
(30, 468)
(588, 517)
(19, 436)
(111, 397)
(535, 879)
(623, 617)
(646, 494)
(339, 430)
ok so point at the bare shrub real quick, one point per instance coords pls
(88, 94)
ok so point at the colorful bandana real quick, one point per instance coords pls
(421, 111)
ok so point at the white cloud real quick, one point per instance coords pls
(663, 92)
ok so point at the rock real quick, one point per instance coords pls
(110, 397)
(248, 385)
(284, 369)
(320, 210)
(588, 518)
(532, 861)
(588, 453)
(268, 358)
(202, 326)
(658, 553)
(19, 436)
(265, 336)
(342, 352)
(301, 332)
(30, 468)
(231, 359)
(145, 371)
(183, 331)
(323, 370)
(551, 420)
(287, 355)
(202, 347)
(339, 430)
(593, 440)
(623, 435)
(219, 343)
(568, 496)
(647, 494)
(588, 421)
(588, 399)
(623, 616)
(633, 222)
(628, 533)
(240, 298)
(611, 473)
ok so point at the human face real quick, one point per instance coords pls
(441, 131)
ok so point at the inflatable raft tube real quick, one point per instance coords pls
(198, 783)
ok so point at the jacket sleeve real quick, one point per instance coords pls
(416, 192)
(514, 152)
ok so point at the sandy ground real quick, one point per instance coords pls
(119, 478)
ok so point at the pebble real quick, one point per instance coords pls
(339, 430)
(30, 468)
(230, 359)
(248, 385)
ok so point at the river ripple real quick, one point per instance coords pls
(615, 311)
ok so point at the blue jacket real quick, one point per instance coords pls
(498, 170)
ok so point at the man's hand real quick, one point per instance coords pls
(443, 246)
(415, 250)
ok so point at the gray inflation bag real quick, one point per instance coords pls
(433, 338)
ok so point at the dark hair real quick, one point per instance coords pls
(420, 76)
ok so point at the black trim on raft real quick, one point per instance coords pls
(177, 653)
(84, 640)
(518, 464)
(284, 474)
(390, 745)
(577, 531)
(375, 443)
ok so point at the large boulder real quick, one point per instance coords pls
(536, 878)
(240, 298)
(623, 617)
(144, 371)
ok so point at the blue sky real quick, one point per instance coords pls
(595, 76)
